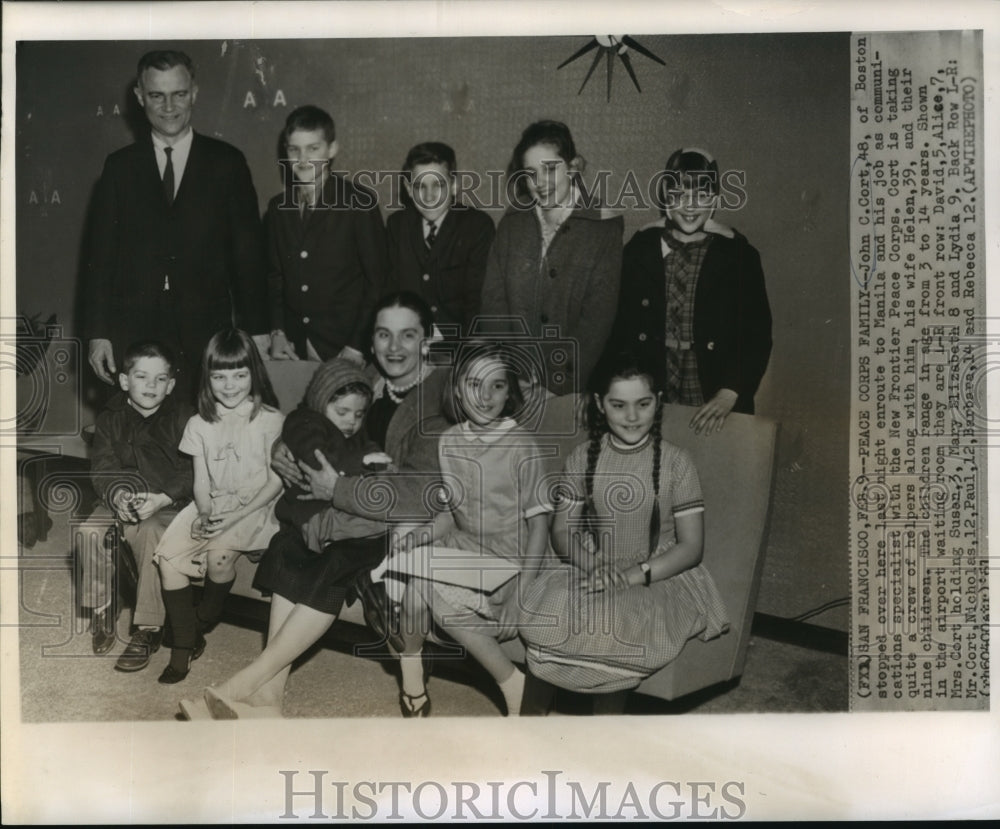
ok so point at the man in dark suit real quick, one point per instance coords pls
(326, 261)
(174, 250)
(439, 248)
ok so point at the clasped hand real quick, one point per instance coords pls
(605, 576)
(407, 537)
(209, 526)
(134, 507)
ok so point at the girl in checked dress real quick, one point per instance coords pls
(629, 527)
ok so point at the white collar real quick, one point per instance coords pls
(491, 435)
(181, 146)
(244, 409)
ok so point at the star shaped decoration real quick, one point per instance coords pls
(609, 46)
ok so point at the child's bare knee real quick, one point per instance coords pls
(222, 565)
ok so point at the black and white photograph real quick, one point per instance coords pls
(370, 362)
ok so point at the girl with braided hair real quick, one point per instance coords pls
(629, 527)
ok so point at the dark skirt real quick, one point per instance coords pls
(322, 581)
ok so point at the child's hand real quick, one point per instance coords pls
(121, 503)
(379, 461)
(712, 416)
(281, 349)
(605, 576)
(406, 537)
(217, 524)
(146, 504)
(199, 526)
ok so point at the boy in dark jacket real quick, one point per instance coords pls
(143, 481)
(438, 247)
(326, 257)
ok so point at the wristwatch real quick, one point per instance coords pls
(647, 573)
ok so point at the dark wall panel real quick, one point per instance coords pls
(774, 106)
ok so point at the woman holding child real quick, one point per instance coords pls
(405, 418)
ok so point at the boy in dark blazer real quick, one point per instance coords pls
(438, 248)
(326, 258)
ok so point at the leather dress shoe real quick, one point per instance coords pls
(143, 645)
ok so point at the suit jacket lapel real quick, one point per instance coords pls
(149, 173)
(193, 168)
(321, 219)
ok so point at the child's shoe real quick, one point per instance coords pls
(141, 647)
(180, 663)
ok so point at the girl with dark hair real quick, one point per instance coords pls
(630, 527)
(492, 473)
(693, 297)
(235, 490)
(555, 264)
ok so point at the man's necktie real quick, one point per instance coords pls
(431, 236)
(168, 176)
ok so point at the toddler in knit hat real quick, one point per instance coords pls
(316, 542)
(330, 419)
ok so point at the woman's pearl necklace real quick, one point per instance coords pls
(395, 391)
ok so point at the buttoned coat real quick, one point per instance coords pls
(568, 297)
(174, 273)
(325, 272)
(449, 276)
(732, 317)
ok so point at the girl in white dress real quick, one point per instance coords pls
(235, 490)
(492, 472)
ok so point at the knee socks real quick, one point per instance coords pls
(184, 621)
(213, 598)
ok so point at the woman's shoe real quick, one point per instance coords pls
(195, 709)
(222, 707)
(374, 603)
(408, 707)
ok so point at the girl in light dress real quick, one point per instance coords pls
(235, 491)
(492, 474)
(630, 529)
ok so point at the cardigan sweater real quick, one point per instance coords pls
(564, 303)
(732, 317)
